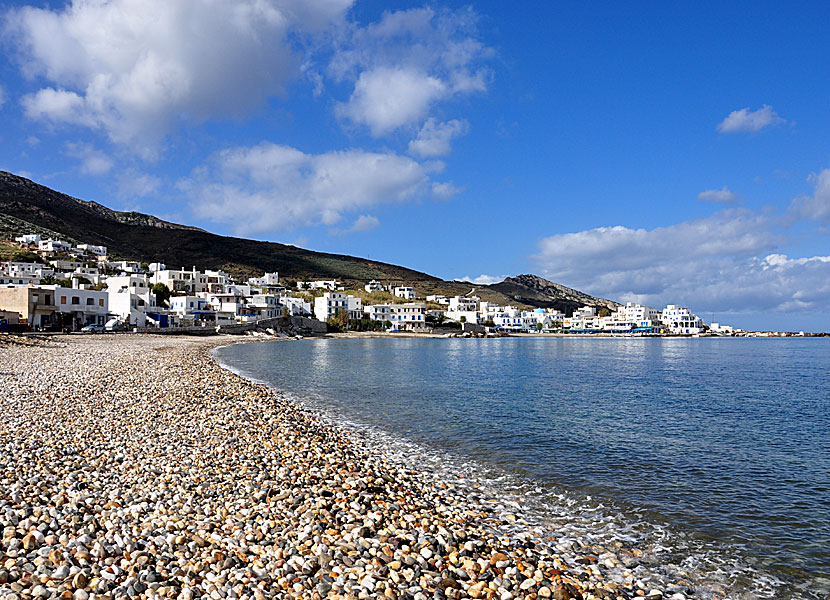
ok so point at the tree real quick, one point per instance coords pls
(26, 256)
(489, 323)
(604, 313)
(285, 312)
(339, 320)
(162, 294)
(463, 319)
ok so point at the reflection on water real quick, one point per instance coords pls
(724, 439)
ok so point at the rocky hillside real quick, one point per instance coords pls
(146, 238)
(26, 206)
(535, 291)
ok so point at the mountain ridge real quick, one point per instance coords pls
(146, 238)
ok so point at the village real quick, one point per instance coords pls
(66, 287)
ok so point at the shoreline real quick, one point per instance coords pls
(141, 466)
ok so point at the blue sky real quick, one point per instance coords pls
(654, 152)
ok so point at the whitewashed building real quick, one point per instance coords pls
(408, 314)
(297, 307)
(129, 298)
(51, 245)
(405, 292)
(680, 320)
(268, 280)
(90, 249)
(373, 286)
(83, 307)
(329, 304)
(267, 306)
(29, 238)
(378, 312)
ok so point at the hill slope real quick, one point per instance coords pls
(26, 206)
(146, 238)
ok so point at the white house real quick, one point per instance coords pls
(680, 320)
(90, 249)
(463, 303)
(297, 307)
(51, 245)
(639, 315)
(267, 306)
(378, 312)
(83, 307)
(179, 280)
(438, 299)
(266, 281)
(129, 298)
(355, 307)
(407, 293)
(123, 266)
(26, 269)
(29, 238)
(231, 302)
(17, 280)
(198, 308)
(373, 286)
(411, 314)
(329, 304)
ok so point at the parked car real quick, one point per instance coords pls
(94, 329)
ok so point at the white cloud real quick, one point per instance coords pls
(434, 138)
(93, 162)
(2, 96)
(817, 206)
(134, 184)
(725, 262)
(445, 190)
(723, 195)
(57, 106)
(746, 121)
(364, 223)
(270, 187)
(482, 279)
(406, 63)
(136, 69)
(387, 98)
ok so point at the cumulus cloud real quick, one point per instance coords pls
(363, 224)
(271, 187)
(482, 279)
(723, 262)
(434, 138)
(386, 98)
(747, 121)
(135, 69)
(93, 162)
(723, 195)
(406, 63)
(817, 206)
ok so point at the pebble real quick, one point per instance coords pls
(135, 467)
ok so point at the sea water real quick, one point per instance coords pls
(713, 454)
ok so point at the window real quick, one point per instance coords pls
(90, 301)
(63, 299)
(100, 302)
(76, 300)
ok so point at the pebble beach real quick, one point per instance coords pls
(136, 467)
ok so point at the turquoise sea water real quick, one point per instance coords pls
(714, 452)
